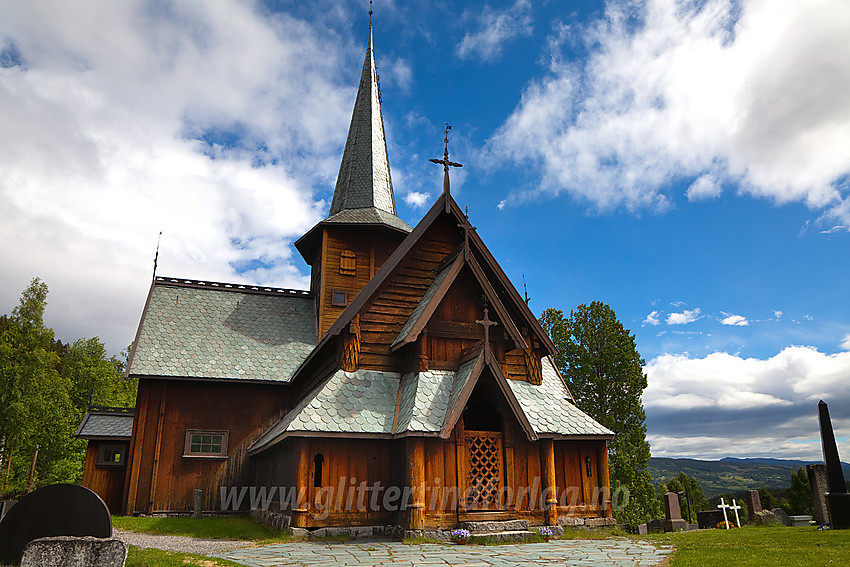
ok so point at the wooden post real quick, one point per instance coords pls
(550, 506)
(604, 479)
(302, 479)
(196, 504)
(416, 481)
(32, 469)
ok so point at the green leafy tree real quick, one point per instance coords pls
(768, 500)
(45, 388)
(689, 491)
(799, 495)
(599, 359)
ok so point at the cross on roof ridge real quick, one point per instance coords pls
(446, 163)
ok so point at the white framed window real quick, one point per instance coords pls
(205, 443)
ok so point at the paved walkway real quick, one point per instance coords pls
(614, 552)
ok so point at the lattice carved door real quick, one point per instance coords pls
(485, 470)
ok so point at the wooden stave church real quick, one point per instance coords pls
(388, 370)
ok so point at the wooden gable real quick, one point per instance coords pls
(366, 334)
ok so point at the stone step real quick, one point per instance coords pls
(508, 536)
(491, 527)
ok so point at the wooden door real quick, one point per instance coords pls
(485, 471)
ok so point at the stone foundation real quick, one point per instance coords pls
(64, 551)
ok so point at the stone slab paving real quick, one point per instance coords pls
(613, 552)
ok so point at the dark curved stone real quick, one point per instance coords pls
(55, 510)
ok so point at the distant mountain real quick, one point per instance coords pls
(731, 474)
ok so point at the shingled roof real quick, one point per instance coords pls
(223, 331)
(106, 424)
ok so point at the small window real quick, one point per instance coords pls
(339, 298)
(111, 455)
(201, 443)
(347, 263)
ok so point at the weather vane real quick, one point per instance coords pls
(446, 163)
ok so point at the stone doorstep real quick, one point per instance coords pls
(592, 523)
(490, 527)
(508, 536)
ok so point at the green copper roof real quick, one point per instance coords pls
(212, 333)
(424, 401)
(550, 409)
(364, 174)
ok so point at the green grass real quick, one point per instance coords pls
(229, 527)
(768, 546)
(138, 557)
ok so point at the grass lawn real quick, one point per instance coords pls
(229, 527)
(767, 546)
(138, 557)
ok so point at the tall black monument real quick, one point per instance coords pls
(837, 499)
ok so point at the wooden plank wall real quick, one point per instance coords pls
(160, 478)
(107, 481)
(371, 249)
(571, 474)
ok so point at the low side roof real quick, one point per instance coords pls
(105, 425)
(223, 331)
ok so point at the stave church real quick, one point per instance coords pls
(410, 386)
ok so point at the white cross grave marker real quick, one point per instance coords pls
(723, 505)
(735, 507)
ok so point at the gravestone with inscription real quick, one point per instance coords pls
(55, 510)
(753, 501)
(818, 486)
(673, 521)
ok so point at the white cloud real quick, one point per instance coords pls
(747, 406)
(705, 187)
(416, 199)
(738, 320)
(751, 93)
(845, 344)
(777, 314)
(494, 30)
(683, 318)
(652, 319)
(122, 120)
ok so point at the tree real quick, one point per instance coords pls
(799, 495)
(689, 491)
(46, 386)
(604, 371)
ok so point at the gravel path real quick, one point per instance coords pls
(180, 543)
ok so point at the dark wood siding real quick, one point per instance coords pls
(107, 481)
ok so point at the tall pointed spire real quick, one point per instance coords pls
(364, 174)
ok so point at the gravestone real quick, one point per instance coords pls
(64, 551)
(55, 510)
(818, 486)
(766, 518)
(709, 519)
(673, 521)
(837, 499)
(642, 529)
(802, 521)
(783, 518)
(753, 505)
(655, 526)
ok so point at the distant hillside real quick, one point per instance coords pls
(730, 474)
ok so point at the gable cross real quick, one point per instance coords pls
(446, 163)
(487, 323)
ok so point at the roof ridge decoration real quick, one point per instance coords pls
(364, 174)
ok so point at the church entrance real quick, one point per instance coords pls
(482, 478)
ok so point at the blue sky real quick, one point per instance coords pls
(685, 162)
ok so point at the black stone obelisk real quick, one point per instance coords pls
(837, 498)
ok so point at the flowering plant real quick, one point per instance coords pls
(545, 532)
(460, 535)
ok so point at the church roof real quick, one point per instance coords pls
(364, 188)
(370, 403)
(193, 329)
(364, 174)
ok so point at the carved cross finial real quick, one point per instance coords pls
(370, 12)
(487, 323)
(467, 228)
(446, 163)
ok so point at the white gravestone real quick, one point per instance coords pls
(723, 506)
(735, 507)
